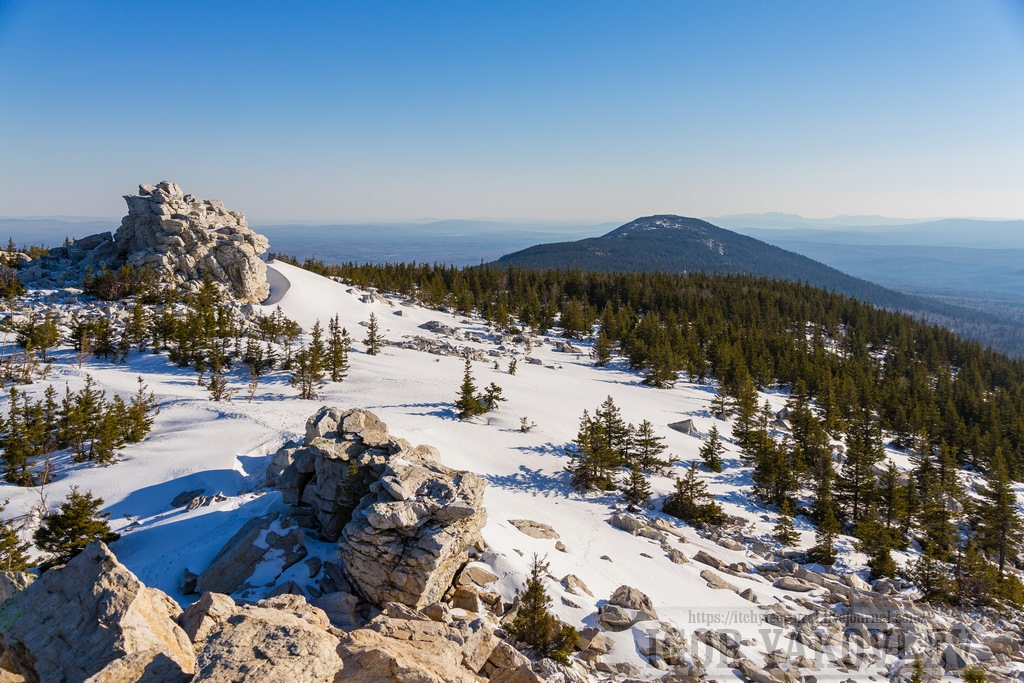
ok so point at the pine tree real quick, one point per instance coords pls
(512, 366)
(784, 531)
(338, 346)
(468, 404)
(372, 340)
(492, 397)
(635, 489)
(78, 522)
(711, 451)
(13, 556)
(691, 501)
(535, 625)
(646, 448)
(999, 526)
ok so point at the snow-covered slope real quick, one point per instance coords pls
(225, 447)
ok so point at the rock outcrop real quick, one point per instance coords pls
(278, 639)
(181, 237)
(268, 540)
(405, 522)
(186, 238)
(80, 620)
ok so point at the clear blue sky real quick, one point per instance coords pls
(550, 110)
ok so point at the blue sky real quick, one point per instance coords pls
(550, 110)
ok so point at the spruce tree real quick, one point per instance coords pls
(857, 484)
(78, 522)
(824, 549)
(614, 429)
(338, 346)
(592, 461)
(535, 626)
(602, 350)
(691, 501)
(635, 489)
(13, 556)
(784, 531)
(646, 448)
(140, 413)
(372, 340)
(999, 527)
(711, 451)
(512, 366)
(468, 404)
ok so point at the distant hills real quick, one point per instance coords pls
(678, 244)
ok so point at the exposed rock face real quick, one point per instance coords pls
(417, 650)
(186, 237)
(277, 639)
(73, 622)
(405, 539)
(263, 540)
(181, 237)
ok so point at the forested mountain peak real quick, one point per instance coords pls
(665, 222)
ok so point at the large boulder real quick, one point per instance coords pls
(392, 650)
(76, 621)
(264, 546)
(277, 639)
(405, 522)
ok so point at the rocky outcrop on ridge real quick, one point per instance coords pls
(85, 618)
(181, 237)
(94, 621)
(406, 523)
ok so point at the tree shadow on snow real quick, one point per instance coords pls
(533, 481)
(444, 411)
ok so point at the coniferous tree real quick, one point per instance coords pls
(646, 448)
(744, 430)
(602, 350)
(593, 460)
(492, 397)
(635, 489)
(857, 483)
(930, 575)
(512, 366)
(338, 346)
(711, 451)
(372, 341)
(784, 531)
(614, 429)
(468, 404)
(13, 551)
(78, 522)
(998, 523)
(140, 413)
(691, 501)
(535, 625)
(824, 549)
